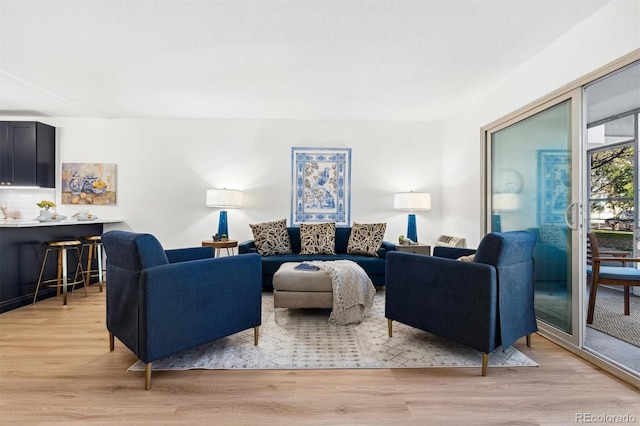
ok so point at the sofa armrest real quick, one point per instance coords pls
(191, 253)
(452, 252)
(185, 304)
(385, 248)
(248, 246)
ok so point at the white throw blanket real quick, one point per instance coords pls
(353, 290)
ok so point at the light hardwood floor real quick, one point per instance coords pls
(56, 368)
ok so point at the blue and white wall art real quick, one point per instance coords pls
(554, 184)
(321, 185)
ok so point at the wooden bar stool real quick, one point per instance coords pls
(93, 243)
(62, 280)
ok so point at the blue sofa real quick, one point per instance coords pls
(484, 304)
(162, 302)
(373, 266)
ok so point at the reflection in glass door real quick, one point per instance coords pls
(531, 189)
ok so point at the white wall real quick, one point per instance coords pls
(165, 166)
(606, 36)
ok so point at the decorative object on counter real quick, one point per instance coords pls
(46, 215)
(10, 214)
(84, 216)
(49, 216)
(412, 202)
(89, 183)
(223, 199)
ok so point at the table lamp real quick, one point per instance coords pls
(224, 199)
(412, 201)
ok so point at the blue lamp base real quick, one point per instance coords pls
(223, 228)
(412, 232)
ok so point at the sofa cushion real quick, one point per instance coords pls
(366, 238)
(271, 237)
(318, 238)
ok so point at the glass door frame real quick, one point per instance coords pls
(576, 348)
(578, 250)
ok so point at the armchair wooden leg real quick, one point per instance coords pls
(147, 376)
(390, 328)
(485, 363)
(626, 299)
(592, 301)
(111, 342)
(528, 340)
(256, 333)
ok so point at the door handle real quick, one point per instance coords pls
(567, 220)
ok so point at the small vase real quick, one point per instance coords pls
(45, 214)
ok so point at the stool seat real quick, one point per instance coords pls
(62, 280)
(63, 243)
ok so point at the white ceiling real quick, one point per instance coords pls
(411, 60)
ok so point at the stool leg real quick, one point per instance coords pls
(89, 258)
(80, 272)
(62, 258)
(100, 271)
(44, 262)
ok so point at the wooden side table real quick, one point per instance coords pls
(219, 245)
(415, 248)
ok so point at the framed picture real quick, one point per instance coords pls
(321, 185)
(554, 184)
(89, 183)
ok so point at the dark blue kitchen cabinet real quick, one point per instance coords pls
(27, 154)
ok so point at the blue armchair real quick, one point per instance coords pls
(483, 304)
(162, 302)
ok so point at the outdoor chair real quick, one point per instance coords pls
(623, 275)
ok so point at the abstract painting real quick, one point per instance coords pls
(321, 185)
(89, 183)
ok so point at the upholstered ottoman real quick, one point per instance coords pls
(301, 288)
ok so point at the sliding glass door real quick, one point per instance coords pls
(559, 168)
(533, 185)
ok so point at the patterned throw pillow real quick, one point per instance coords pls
(366, 238)
(271, 237)
(319, 238)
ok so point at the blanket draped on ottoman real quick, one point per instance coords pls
(353, 290)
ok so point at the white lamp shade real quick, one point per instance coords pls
(224, 198)
(412, 201)
(505, 202)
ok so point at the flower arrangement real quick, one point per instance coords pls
(46, 204)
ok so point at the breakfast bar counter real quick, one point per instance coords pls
(31, 223)
(22, 251)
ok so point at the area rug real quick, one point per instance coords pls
(609, 318)
(304, 338)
